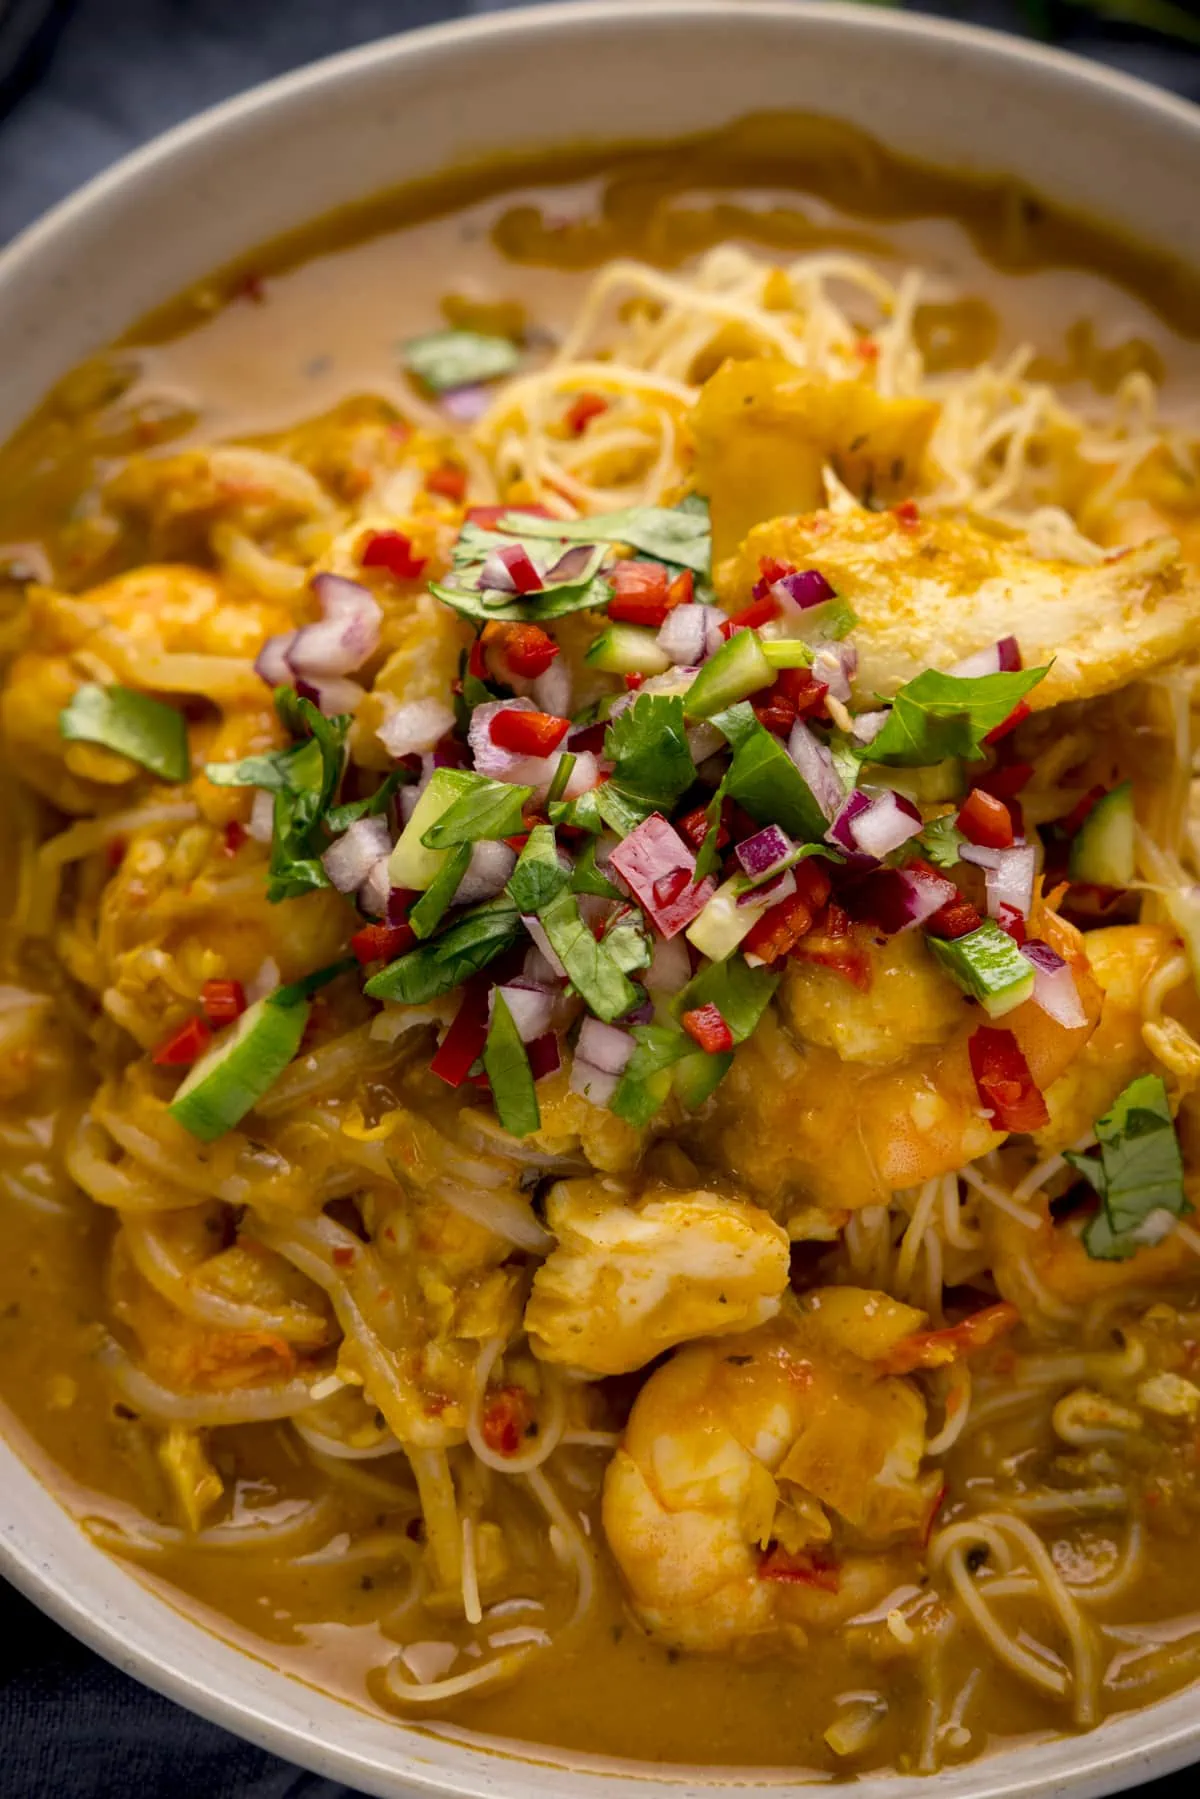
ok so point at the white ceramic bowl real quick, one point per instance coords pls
(246, 172)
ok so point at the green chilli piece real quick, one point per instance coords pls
(130, 724)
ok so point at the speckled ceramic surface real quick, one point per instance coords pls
(397, 110)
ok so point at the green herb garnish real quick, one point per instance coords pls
(648, 744)
(740, 993)
(938, 716)
(130, 724)
(539, 876)
(763, 778)
(487, 810)
(507, 1066)
(426, 914)
(669, 534)
(469, 944)
(941, 841)
(645, 1081)
(592, 971)
(1139, 1173)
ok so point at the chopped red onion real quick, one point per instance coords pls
(587, 737)
(868, 725)
(686, 631)
(262, 817)
(592, 1083)
(670, 967)
(835, 665)
(806, 587)
(350, 858)
(500, 764)
(595, 910)
(899, 899)
(583, 777)
(571, 564)
(510, 569)
(875, 828)
(604, 1046)
(332, 696)
(1009, 875)
(763, 853)
(414, 727)
(532, 1008)
(536, 970)
(466, 405)
(551, 691)
(815, 763)
(999, 658)
(272, 664)
(545, 1056)
(770, 893)
(489, 868)
(376, 890)
(542, 943)
(659, 869)
(1054, 989)
(704, 740)
(344, 637)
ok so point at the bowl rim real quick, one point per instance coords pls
(1166, 1737)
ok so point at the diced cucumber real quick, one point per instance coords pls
(720, 927)
(987, 964)
(826, 623)
(787, 652)
(247, 1059)
(412, 865)
(698, 1076)
(1103, 850)
(738, 669)
(627, 650)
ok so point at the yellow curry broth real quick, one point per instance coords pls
(308, 327)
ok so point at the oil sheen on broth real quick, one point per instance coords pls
(300, 328)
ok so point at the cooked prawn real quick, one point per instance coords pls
(763, 1480)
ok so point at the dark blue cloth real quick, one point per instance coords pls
(123, 70)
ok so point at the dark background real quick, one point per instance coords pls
(80, 84)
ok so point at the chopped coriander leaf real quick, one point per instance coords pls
(988, 966)
(665, 533)
(587, 878)
(562, 776)
(646, 1080)
(340, 818)
(941, 841)
(426, 914)
(740, 993)
(938, 716)
(130, 724)
(444, 360)
(590, 968)
(620, 811)
(304, 779)
(485, 811)
(763, 778)
(647, 742)
(535, 608)
(539, 876)
(1139, 1175)
(509, 1074)
(582, 814)
(469, 944)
